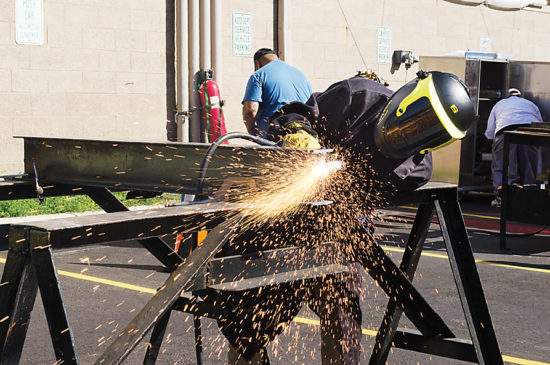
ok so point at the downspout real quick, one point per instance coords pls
(283, 36)
(216, 25)
(182, 70)
(171, 127)
(194, 65)
(205, 34)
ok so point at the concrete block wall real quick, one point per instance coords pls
(323, 47)
(100, 73)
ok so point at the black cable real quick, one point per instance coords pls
(403, 219)
(208, 156)
(497, 233)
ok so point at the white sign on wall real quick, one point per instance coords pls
(384, 45)
(242, 34)
(29, 22)
(485, 44)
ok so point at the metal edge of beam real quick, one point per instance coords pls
(118, 226)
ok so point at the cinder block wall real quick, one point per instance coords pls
(101, 73)
(330, 42)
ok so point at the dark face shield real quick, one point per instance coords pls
(418, 128)
(416, 119)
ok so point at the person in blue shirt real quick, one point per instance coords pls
(273, 84)
(507, 115)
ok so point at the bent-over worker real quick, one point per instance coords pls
(390, 134)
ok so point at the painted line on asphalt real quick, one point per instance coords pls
(478, 261)
(372, 333)
(142, 289)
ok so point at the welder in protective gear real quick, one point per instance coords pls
(390, 135)
(394, 131)
(387, 134)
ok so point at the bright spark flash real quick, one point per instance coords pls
(324, 168)
(290, 184)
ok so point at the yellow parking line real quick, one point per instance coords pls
(517, 360)
(442, 256)
(118, 284)
(141, 289)
(372, 333)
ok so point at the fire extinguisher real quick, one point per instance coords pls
(213, 120)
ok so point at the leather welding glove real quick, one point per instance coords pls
(301, 140)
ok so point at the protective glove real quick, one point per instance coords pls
(301, 140)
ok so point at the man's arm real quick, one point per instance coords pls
(491, 125)
(250, 110)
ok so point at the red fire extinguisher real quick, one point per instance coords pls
(213, 120)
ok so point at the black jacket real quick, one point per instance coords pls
(344, 117)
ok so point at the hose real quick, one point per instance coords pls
(208, 156)
(389, 219)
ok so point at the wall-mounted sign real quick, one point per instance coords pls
(29, 22)
(242, 34)
(485, 44)
(384, 45)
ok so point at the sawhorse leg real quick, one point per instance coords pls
(411, 256)
(394, 283)
(30, 266)
(467, 281)
(17, 296)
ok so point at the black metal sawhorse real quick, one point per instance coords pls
(30, 250)
(30, 265)
(435, 338)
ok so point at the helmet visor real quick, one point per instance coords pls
(417, 128)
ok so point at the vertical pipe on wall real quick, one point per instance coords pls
(194, 65)
(283, 36)
(205, 34)
(216, 23)
(171, 127)
(182, 89)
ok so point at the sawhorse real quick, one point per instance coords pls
(435, 338)
(30, 249)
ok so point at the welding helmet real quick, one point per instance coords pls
(427, 113)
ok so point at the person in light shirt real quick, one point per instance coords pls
(507, 115)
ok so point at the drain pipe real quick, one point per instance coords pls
(194, 66)
(205, 62)
(283, 36)
(205, 34)
(216, 39)
(183, 70)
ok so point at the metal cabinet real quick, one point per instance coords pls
(463, 162)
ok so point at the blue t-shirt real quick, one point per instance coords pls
(273, 86)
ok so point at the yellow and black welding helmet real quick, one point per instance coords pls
(427, 113)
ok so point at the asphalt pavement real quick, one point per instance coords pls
(104, 286)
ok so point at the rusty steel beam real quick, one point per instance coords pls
(167, 167)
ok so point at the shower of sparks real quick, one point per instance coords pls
(290, 184)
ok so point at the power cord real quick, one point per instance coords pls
(208, 156)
